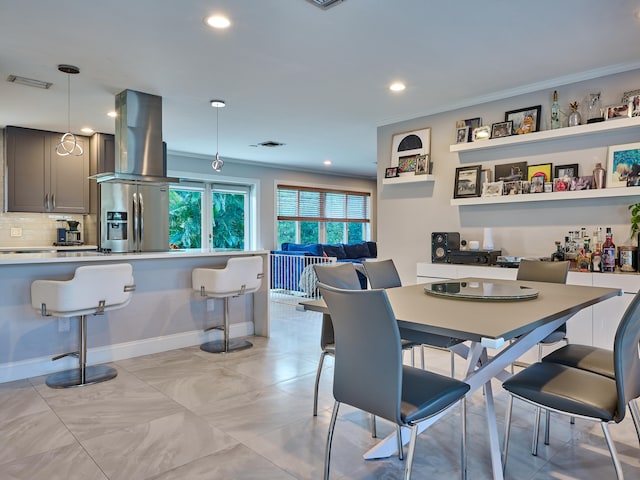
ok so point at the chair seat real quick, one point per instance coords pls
(584, 357)
(567, 389)
(240, 275)
(554, 337)
(425, 393)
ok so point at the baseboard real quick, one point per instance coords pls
(35, 367)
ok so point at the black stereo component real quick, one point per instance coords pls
(442, 243)
(475, 257)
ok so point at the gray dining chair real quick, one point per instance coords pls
(550, 272)
(369, 373)
(580, 393)
(383, 274)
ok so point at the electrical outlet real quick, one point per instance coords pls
(64, 324)
(16, 231)
(211, 304)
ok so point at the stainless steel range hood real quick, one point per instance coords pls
(139, 152)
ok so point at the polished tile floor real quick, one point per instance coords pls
(186, 414)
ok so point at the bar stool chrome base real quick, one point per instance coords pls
(76, 377)
(218, 346)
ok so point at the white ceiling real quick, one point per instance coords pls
(290, 72)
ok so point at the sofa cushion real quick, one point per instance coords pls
(357, 250)
(335, 251)
(312, 248)
(373, 249)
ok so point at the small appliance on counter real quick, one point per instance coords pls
(68, 237)
(475, 257)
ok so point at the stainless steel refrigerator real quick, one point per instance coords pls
(134, 217)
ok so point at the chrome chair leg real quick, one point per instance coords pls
(547, 427)
(374, 431)
(327, 452)
(453, 364)
(399, 438)
(507, 431)
(536, 431)
(315, 390)
(612, 450)
(412, 447)
(635, 415)
(463, 441)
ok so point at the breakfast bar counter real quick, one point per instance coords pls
(164, 313)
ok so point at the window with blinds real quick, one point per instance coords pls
(310, 215)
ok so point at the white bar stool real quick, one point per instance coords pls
(93, 290)
(240, 276)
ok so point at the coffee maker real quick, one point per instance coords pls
(70, 235)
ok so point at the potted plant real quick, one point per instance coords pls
(635, 219)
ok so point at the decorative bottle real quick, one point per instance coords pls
(596, 257)
(555, 111)
(609, 252)
(558, 255)
(598, 176)
(584, 257)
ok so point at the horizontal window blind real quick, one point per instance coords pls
(322, 205)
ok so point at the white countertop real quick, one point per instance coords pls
(94, 256)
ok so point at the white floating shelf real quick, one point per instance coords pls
(617, 124)
(408, 179)
(552, 196)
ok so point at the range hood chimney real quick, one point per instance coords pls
(140, 155)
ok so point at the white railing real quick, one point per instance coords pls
(294, 274)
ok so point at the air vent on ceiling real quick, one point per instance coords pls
(29, 82)
(324, 4)
(270, 144)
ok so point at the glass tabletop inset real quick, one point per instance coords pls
(481, 290)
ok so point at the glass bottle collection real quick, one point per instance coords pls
(587, 254)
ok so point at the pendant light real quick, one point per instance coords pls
(217, 163)
(69, 143)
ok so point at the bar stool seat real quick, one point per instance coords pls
(240, 276)
(93, 290)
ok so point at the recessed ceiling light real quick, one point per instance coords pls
(397, 87)
(112, 114)
(327, 162)
(87, 130)
(218, 21)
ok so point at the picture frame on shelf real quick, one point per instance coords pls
(570, 170)
(536, 184)
(581, 183)
(615, 112)
(422, 165)
(471, 123)
(510, 172)
(486, 176)
(407, 146)
(391, 172)
(502, 129)
(541, 170)
(462, 134)
(525, 120)
(481, 133)
(492, 189)
(623, 162)
(561, 184)
(632, 98)
(467, 182)
(512, 188)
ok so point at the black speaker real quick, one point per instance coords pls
(441, 245)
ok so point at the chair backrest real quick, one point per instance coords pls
(626, 356)
(93, 288)
(539, 271)
(339, 275)
(368, 363)
(240, 275)
(382, 274)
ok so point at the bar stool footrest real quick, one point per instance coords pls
(73, 377)
(218, 346)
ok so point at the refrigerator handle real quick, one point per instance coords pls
(136, 227)
(140, 219)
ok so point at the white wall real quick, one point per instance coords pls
(408, 213)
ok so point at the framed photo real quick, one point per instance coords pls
(632, 99)
(536, 184)
(471, 123)
(561, 171)
(391, 172)
(462, 134)
(581, 183)
(492, 189)
(561, 184)
(512, 188)
(467, 182)
(510, 172)
(486, 176)
(613, 112)
(407, 146)
(542, 170)
(502, 129)
(481, 133)
(422, 164)
(525, 120)
(623, 165)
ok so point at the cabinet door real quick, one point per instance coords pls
(69, 180)
(27, 175)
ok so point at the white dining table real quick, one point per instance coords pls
(512, 326)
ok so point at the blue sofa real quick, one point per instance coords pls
(286, 275)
